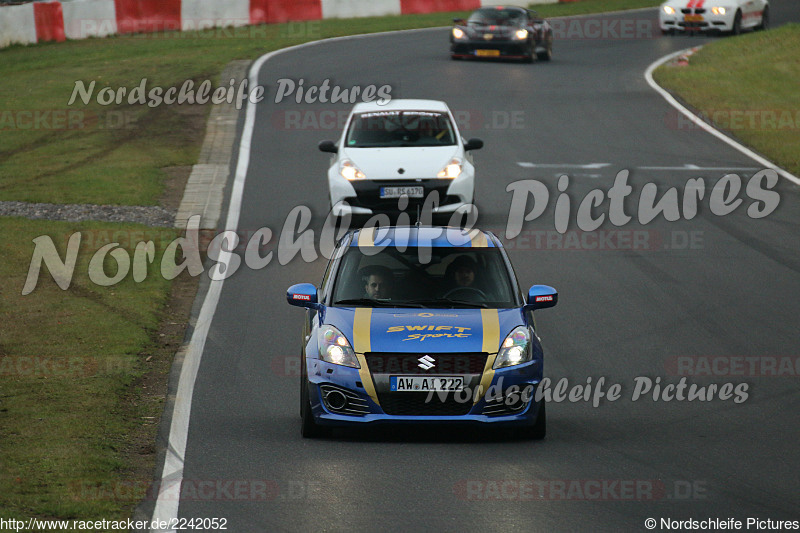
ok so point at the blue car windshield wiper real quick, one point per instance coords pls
(439, 302)
(370, 302)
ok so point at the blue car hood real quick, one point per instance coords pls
(429, 330)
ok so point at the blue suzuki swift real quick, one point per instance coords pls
(420, 325)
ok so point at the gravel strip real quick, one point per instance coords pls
(147, 215)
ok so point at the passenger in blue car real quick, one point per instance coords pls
(378, 282)
(461, 272)
(463, 280)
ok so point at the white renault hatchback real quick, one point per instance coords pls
(404, 148)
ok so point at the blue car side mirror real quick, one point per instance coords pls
(302, 295)
(541, 297)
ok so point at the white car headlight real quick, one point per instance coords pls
(335, 348)
(669, 10)
(718, 10)
(521, 34)
(349, 171)
(452, 170)
(458, 33)
(515, 350)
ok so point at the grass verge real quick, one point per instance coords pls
(74, 364)
(747, 86)
(585, 7)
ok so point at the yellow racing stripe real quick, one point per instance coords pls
(491, 343)
(366, 237)
(491, 330)
(361, 325)
(366, 378)
(478, 238)
(361, 344)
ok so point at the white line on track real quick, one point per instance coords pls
(689, 166)
(167, 504)
(166, 507)
(648, 75)
(589, 166)
(527, 164)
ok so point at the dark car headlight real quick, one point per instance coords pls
(458, 33)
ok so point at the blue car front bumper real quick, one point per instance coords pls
(339, 397)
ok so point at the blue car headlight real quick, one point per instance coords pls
(335, 348)
(515, 350)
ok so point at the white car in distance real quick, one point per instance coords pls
(405, 147)
(728, 16)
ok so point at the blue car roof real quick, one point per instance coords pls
(445, 237)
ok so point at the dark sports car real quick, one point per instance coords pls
(502, 32)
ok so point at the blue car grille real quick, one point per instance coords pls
(409, 363)
(420, 404)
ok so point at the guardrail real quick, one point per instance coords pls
(33, 22)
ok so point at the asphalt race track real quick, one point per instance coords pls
(719, 291)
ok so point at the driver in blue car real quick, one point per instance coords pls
(378, 282)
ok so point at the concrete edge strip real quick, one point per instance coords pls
(648, 75)
(168, 497)
(204, 191)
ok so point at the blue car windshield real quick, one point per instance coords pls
(380, 129)
(434, 277)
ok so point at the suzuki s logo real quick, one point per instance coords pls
(426, 362)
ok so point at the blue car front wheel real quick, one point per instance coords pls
(309, 428)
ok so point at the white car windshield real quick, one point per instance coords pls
(377, 129)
